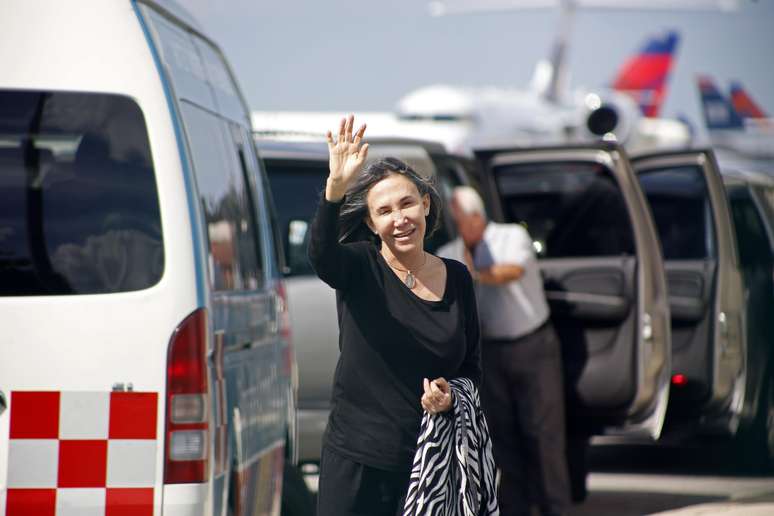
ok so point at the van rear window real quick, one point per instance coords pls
(79, 210)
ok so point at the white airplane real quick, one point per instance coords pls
(467, 118)
(547, 112)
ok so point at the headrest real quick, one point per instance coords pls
(93, 148)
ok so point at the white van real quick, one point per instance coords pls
(145, 365)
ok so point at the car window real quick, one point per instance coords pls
(296, 187)
(570, 209)
(448, 178)
(751, 239)
(220, 177)
(679, 202)
(79, 209)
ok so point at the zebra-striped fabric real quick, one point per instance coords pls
(454, 472)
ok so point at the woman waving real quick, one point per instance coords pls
(407, 322)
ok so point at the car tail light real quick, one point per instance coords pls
(187, 418)
(679, 380)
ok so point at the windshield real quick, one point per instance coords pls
(79, 212)
(297, 184)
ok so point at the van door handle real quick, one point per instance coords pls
(3, 403)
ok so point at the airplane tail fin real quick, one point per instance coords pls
(644, 76)
(743, 102)
(719, 113)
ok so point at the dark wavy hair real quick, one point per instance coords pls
(352, 226)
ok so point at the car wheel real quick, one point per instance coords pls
(296, 498)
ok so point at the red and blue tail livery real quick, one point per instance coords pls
(718, 112)
(644, 76)
(743, 102)
(735, 122)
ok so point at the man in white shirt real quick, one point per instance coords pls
(522, 390)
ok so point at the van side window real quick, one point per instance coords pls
(181, 60)
(751, 239)
(274, 224)
(226, 204)
(264, 203)
(227, 99)
(79, 208)
(242, 145)
(679, 202)
(569, 209)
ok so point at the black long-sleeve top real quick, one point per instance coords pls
(390, 339)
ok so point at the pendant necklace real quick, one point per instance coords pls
(410, 281)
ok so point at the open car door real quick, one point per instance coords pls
(603, 273)
(688, 201)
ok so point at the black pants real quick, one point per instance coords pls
(523, 399)
(348, 488)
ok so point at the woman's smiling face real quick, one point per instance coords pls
(396, 212)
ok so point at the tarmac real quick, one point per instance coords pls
(756, 506)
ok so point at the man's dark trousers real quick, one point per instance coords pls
(523, 399)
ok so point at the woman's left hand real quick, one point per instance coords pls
(437, 396)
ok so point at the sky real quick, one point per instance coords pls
(347, 55)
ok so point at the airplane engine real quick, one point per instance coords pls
(610, 115)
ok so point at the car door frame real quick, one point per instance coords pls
(723, 411)
(646, 412)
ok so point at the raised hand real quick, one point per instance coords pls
(346, 158)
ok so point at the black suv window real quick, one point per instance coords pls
(79, 210)
(751, 239)
(296, 187)
(570, 209)
(679, 201)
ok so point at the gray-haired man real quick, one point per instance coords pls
(522, 391)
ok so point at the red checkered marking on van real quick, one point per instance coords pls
(82, 453)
